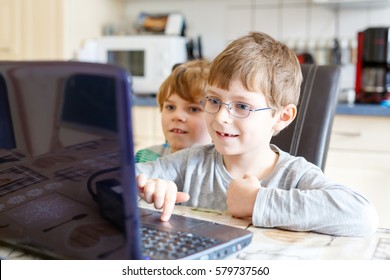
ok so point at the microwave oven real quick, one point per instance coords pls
(149, 58)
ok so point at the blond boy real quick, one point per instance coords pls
(182, 116)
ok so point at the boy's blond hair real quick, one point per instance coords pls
(188, 80)
(263, 64)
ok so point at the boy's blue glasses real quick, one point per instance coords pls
(237, 109)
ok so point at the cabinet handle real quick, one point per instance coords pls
(348, 134)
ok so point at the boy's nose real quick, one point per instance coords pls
(223, 115)
(179, 115)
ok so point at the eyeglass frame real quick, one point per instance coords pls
(204, 101)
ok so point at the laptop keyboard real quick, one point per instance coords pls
(165, 245)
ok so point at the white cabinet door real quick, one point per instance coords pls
(52, 29)
(10, 29)
(147, 128)
(359, 157)
(42, 29)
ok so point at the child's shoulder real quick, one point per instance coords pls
(286, 160)
(152, 153)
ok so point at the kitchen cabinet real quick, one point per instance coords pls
(147, 127)
(31, 29)
(359, 151)
(10, 18)
(359, 157)
(52, 29)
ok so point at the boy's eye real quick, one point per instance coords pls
(170, 107)
(194, 109)
(242, 106)
(213, 101)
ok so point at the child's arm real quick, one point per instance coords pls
(162, 193)
(241, 196)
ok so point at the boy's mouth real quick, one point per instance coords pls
(178, 131)
(222, 134)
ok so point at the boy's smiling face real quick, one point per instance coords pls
(183, 123)
(240, 136)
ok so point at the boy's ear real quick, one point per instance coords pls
(285, 117)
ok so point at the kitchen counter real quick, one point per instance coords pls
(363, 110)
(342, 109)
(145, 100)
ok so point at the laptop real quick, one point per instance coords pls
(67, 176)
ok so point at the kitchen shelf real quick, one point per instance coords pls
(352, 3)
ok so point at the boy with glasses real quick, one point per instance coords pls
(254, 87)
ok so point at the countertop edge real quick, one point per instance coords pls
(363, 110)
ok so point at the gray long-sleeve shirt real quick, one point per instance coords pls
(295, 196)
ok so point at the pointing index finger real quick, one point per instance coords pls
(169, 202)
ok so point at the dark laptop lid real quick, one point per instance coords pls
(64, 106)
(73, 164)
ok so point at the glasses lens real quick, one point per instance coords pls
(211, 105)
(239, 110)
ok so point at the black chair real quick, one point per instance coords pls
(309, 134)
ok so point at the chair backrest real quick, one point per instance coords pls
(309, 134)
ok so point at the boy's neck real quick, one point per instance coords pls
(259, 164)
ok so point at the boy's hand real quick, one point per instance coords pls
(162, 193)
(241, 196)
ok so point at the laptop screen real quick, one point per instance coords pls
(88, 102)
(67, 123)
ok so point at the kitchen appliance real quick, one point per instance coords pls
(149, 58)
(373, 65)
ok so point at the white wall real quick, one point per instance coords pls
(219, 21)
(296, 22)
(84, 19)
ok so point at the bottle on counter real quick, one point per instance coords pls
(321, 52)
(334, 52)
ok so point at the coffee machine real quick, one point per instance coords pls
(373, 65)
